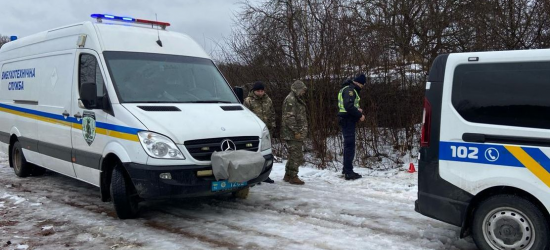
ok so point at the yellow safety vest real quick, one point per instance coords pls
(341, 100)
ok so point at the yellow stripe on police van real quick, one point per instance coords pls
(530, 163)
(116, 134)
(36, 117)
(121, 135)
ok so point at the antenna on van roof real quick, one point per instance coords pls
(159, 42)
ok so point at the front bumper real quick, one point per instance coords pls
(184, 182)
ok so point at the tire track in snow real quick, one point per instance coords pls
(328, 225)
(84, 203)
(182, 214)
(251, 208)
(60, 232)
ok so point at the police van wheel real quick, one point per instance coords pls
(242, 193)
(123, 194)
(509, 222)
(20, 165)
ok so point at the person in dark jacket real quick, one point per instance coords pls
(349, 114)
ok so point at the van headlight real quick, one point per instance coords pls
(159, 146)
(266, 140)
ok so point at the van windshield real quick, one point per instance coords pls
(158, 78)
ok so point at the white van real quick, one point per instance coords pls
(125, 105)
(485, 155)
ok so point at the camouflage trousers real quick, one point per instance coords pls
(295, 157)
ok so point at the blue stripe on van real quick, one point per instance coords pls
(36, 112)
(117, 128)
(484, 154)
(103, 125)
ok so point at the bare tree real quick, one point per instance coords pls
(4, 40)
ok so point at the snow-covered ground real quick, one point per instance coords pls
(376, 212)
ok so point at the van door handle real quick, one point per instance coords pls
(473, 137)
(78, 116)
(65, 114)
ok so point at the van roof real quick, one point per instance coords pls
(105, 36)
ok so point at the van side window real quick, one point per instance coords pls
(512, 94)
(89, 71)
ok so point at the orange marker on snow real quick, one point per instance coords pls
(411, 168)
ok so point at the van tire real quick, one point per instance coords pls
(241, 194)
(20, 165)
(512, 213)
(123, 194)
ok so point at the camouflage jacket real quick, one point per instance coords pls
(262, 107)
(294, 118)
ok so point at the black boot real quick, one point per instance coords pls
(269, 180)
(352, 176)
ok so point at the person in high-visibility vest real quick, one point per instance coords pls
(349, 113)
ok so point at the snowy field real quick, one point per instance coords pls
(376, 212)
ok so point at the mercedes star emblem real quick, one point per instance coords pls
(228, 145)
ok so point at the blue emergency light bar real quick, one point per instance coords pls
(99, 17)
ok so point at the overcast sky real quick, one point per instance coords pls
(207, 21)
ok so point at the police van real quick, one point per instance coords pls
(485, 147)
(126, 105)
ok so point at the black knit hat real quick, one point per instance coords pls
(361, 79)
(258, 86)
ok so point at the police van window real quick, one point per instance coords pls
(158, 78)
(512, 94)
(89, 71)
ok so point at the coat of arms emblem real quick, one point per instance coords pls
(88, 127)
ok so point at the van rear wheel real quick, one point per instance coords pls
(509, 222)
(20, 165)
(123, 194)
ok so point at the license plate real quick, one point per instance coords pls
(224, 185)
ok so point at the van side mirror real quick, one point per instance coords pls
(240, 93)
(88, 95)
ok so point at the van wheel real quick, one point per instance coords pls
(123, 194)
(241, 194)
(20, 165)
(509, 222)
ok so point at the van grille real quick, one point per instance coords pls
(202, 149)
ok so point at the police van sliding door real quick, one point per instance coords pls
(55, 75)
(88, 133)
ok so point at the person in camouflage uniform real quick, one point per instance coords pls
(260, 104)
(294, 130)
